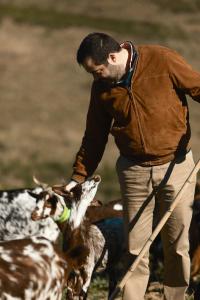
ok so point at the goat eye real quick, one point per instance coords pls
(48, 203)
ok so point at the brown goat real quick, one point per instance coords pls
(98, 212)
(32, 269)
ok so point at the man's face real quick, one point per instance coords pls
(110, 72)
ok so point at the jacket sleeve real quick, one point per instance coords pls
(183, 76)
(98, 125)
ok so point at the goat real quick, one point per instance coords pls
(32, 269)
(84, 244)
(68, 211)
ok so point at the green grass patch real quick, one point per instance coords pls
(16, 170)
(53, 172)
(109, 187)
(52, 19)
(99, 288)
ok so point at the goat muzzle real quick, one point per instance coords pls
(97, 178)
(34, 216)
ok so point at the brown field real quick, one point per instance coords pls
(44, 94)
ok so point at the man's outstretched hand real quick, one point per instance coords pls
(70, 185)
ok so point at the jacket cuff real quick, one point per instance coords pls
(78, 178)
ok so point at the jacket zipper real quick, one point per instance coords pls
(134, 104)
(138, 119)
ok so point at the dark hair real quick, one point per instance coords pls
(98, 46)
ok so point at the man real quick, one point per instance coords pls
(139, 95)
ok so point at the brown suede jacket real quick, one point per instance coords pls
(149, 120)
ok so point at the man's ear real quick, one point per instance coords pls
(112, 59)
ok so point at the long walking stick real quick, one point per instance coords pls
(155, 232)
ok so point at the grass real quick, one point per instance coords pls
(99, 288)
(23, 172)
(49, 171)
(53, 19)
(181, 6)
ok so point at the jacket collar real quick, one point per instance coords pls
(126, 79)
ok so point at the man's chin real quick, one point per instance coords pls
(109, 80)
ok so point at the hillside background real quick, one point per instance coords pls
(44, 94)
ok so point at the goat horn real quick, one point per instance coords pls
(41, 184)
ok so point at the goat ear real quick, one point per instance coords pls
(77, 191)
(96, 202)
(36, 196)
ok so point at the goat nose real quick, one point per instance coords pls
(34, 216)
(97, 178)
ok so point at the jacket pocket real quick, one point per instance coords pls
(121, 135)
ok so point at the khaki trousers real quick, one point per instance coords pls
(142, 189)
